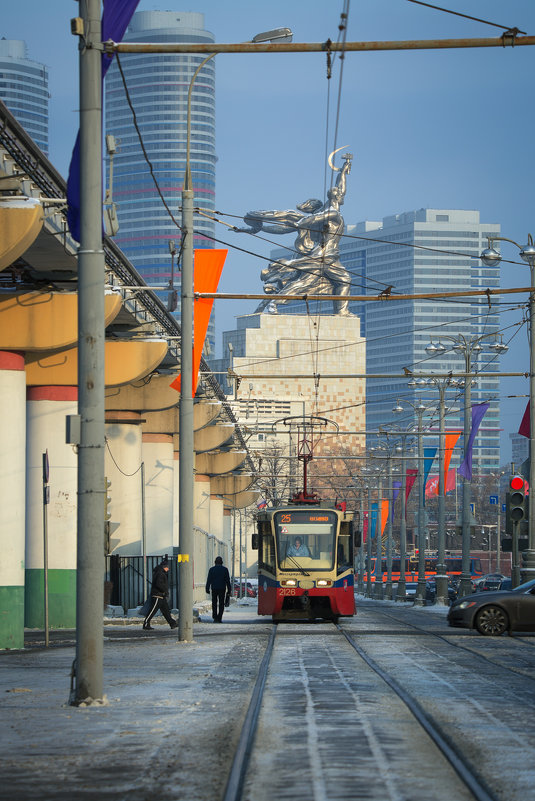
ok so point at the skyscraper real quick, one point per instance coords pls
(24, 89)
(428, 251)
(157, 87)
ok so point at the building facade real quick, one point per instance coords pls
(157, 87)
(24, 90)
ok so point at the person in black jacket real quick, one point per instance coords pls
(218, 581)
(159, 592)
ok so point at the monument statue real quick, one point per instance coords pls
(315, 269)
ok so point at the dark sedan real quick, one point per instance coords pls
(493, 613)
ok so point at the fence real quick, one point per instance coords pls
(131, 577)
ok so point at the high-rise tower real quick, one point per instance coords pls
(157, 86)
(24, 89)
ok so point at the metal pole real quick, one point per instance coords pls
(379, 543)
(46, 501)
(369, 546)
(240, 594)
(498, 536)
(91, 276)
(320, 47)
(388, 592)
(360, 580)
(465, 583)
(186, 453)
(402, 584)
(528, 556)
(420, 589)
(441, 577)
(144, 532)
(186, 459)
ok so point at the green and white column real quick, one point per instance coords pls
(12, 508)
(46, 411)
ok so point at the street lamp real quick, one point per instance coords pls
(389, 451)
(186, 461)
(420, 409)
(491, 257)
(470, 348)
(442, 384)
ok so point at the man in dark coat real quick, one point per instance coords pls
(218, 581)
(159, 592)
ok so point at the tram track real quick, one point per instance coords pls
(329, 673)
(450, 640)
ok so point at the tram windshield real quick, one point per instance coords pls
(305, 539)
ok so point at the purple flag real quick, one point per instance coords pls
(478, 413)
(396, 485)
(115, 18)
(525, 425)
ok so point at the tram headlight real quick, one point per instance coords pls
(323, 583)
(289, 583)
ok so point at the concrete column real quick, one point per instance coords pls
(201, 502)
(123, 468)
(157, 451)
(216, 517)
(46, 410)
(12, 508)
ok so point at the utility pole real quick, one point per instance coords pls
(91, 275)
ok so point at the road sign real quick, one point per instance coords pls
(493, 500)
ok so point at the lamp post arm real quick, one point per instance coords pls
(187, 178)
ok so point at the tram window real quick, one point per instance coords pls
(344, 553)
(267, 555)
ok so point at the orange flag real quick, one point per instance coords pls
(384, 514)
(207, 269)
(450, 443)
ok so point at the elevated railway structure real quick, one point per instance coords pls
(38, 394)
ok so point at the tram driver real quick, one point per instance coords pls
(299, 548)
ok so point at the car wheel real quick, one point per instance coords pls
(492, 621)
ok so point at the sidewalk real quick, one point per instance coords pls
(170, 721)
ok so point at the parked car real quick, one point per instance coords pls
(431, 591)
(247, 589)
(494, 612)
(491, 581)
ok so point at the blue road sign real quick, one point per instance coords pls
(493, 499)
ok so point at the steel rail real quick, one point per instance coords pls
(243, 751)
(464, 647)
(454, 757)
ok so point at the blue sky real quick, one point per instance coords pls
(444, 129)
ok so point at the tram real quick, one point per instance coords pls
(306, 561)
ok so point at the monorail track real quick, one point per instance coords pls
(326, 721)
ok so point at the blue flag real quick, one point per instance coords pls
(115, 18)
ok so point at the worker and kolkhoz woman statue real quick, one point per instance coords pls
(315, 269)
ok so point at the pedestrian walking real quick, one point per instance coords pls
(159, 592)
(218, 582)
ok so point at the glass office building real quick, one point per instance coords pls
(418, 252)
(24, 90)
(157, 86)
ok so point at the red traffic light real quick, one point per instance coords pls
(516, 483)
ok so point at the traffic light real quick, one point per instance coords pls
(517, 498)
(107, 498)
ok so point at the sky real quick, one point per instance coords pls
(441, 129)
